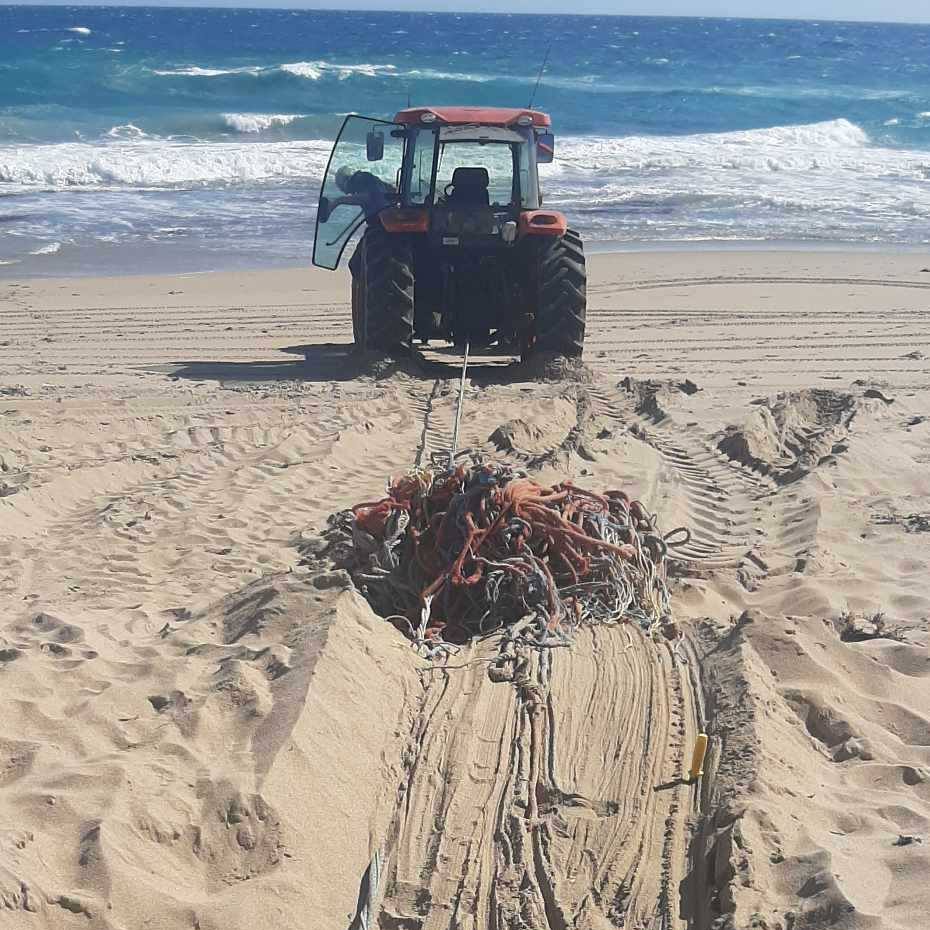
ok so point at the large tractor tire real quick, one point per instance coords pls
(382, 292)
(359, 330)
(561, 301)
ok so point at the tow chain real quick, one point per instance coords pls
(458, 408)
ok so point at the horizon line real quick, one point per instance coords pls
(171, 5)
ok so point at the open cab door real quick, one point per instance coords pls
(361, 179)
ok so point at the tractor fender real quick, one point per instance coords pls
(541, 223)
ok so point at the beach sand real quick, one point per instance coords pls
(199, 730)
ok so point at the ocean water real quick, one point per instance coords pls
(153, 139)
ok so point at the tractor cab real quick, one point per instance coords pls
(456, 172)
(450, 202)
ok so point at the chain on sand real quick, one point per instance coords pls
(455, 553)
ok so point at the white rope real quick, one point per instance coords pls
(458, 409)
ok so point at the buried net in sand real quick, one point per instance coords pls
(453, 554)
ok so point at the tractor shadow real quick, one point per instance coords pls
(493, 366)
(312, 363)
(340, 362)
(484, 367)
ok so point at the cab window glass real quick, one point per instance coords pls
(497, 158)
(421, 174)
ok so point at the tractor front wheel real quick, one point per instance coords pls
(382, 292)
(560, 292)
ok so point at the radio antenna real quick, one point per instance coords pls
(542, 68)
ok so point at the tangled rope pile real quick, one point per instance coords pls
(462, 552)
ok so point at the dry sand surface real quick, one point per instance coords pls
(200, 730)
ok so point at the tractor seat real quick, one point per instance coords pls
(469, 188)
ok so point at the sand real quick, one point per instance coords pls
(200, 729)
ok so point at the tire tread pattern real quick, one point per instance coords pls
(389, 290)
(561, 296)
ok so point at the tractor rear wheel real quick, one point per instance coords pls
(561, 301)
(382, 292)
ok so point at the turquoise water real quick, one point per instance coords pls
(137, 139)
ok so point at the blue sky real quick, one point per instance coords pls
(878, 10)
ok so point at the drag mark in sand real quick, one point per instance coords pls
(512, 814)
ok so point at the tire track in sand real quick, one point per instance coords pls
(165, 515)
(722, 499)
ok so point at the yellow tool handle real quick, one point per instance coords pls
(697, 757)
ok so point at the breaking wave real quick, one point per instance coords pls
(310, 70)
(766, 183)
(258, 122)
(161, 164)
(321, 70)
(126, 131)
(314, 70)
(836, 143)
(51, 249)
(589, 83)
(759, 184)
(195, 71)
(130, 159)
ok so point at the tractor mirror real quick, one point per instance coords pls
(374, 146)
(545, 148)
(325, 210)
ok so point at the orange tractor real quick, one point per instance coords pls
(456, 244)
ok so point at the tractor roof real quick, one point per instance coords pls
(470, 116)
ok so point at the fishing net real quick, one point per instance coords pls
(457, 553)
